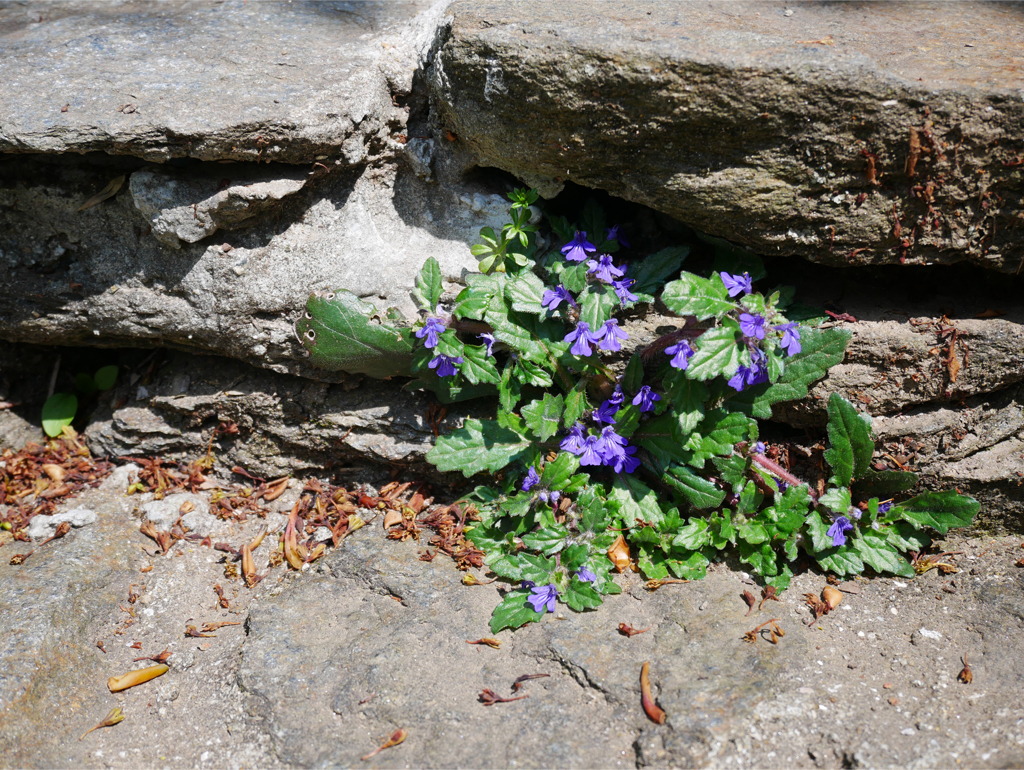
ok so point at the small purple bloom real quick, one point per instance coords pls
(591, 454)
(543, 496)
(645, 399)
(543, 596)
(531, 480)
(581, 337)
(609, 446)
(610, 336)
(555, 496)
(790, 338)
(586, 576)
(604, 270)
(758, 448)
(614, 233)
(623, 292)
(783, 486)
(626, 462)
(553, 298)
(430, 330)
(573, 443)
(752, 325)
(754, 374)
(605, 413)
(489, 341)
(838, 530)
(737, 284)
(617, 396)
(577, 249)
(445, 365)
(883, 508)
(681, 354)
(526, 584)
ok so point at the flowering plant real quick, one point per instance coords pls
(595, 447)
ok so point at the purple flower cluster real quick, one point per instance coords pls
(585, 575)
(608, 337)
(752, 325)
(609, 448)
(681, 354)
(754, 374)
(445, 365)
(621, 288)
(737, 284)
(577, 249)
(542, 597)
(431, 329)
(553, 298)
(838, 530)
(603, 269)
(531, 480)
(790, 338)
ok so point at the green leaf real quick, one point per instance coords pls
(525, 292)
(844, 561)
(691, 566)
(557, 473)
(427, 292)
(544, 416)
(549, 540)
(450, 390)
(733, 470)
(885, 484)
(879, 554)
(593, 515)
(939, 510)
(597, 304)
(574, 276)
(574, 557)
(477, 446)
(780, 582)
(105, 377)
(791, 508)
(701, 297)
(636, 500)
(536, 568)
(531, 373)
(699, 492)
(837, 499)
(652, 562)
(575, 404)
(474, 299)
(753, 532)
(58, 411)
(85, 384)
(694, 535)
(906, 537)
(508, 387)
(658, 439)
(581, 596)
(651, 273)
(513, 612)
(760, 556)
(477, 366)
(818, 530)
(721, 529)
(688, 399)
(723, 430)
(337, 331)
(633, 377)
(820, 351)
(517, 505)
(851, 446)
(717, 354)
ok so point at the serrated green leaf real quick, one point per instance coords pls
(503, 565)
(650, 274)
(700, 297)
(477, 367)
(574, 557)
(557, 473)
(851, 445)
(652, 562)
(474, 299)
(688, 399)
(781, 581)
(688, 566)
(575, 404)
(844, 561)
(337, 331)
(699, 492)
(750, 499)
(753, 532)
(544, 416)
(791, 508)
(939, 510)
(536, 568)
(837, 499)
(875, 551)
(597, 304)
(581, 596)
(717, 354)
(592, 513)
(574, 276)
(636, 501)
(818, 530)
(633, 377)
(716, 436)
(58, 411)
(477, 446)
(732, 470)
(427, 292)
(531, 373)
(517, 505)
(721, 529)
(657, 438)
(513, 612)
(525, 292)
(760, 556)
(694, 535)
(885, 484)
(906, 537)
(547, 540)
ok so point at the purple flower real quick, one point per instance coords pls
(609, 446)
(489, 341)
(586, 576)
(591, 454)
(623, 292)
(604, 270)
(737, 284)
(605, 413)
(581, 337)
(754, 374)
(838, 530)
(430, 330)
(614, 233)
(617, 396)
(552, 299)
(626, 462)
(758, 448)
(752, 325)
(531, 480)
(445, 365)
(543, 596)
(883, 508)
(577, 249)
(645, 399)
(790, 338)
(573, 443)
(610, 335)
(681, 354)
(526, 584)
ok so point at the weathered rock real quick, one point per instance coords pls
(755, 123)
(44, 526)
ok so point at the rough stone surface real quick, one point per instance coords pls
(754, 123)
(42, 527)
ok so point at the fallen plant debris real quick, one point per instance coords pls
(160, 658)
(114, 717)
(137, 677)
(775, 632)
(493, 643)
(965, 676)
(922, 563)
(654, 585)
(767, 595)
(750, 600)
(397, 737)
(830, 599)
(62, 529)
(627, 630)
(489, 698)
(654, 712)
(518, 684)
